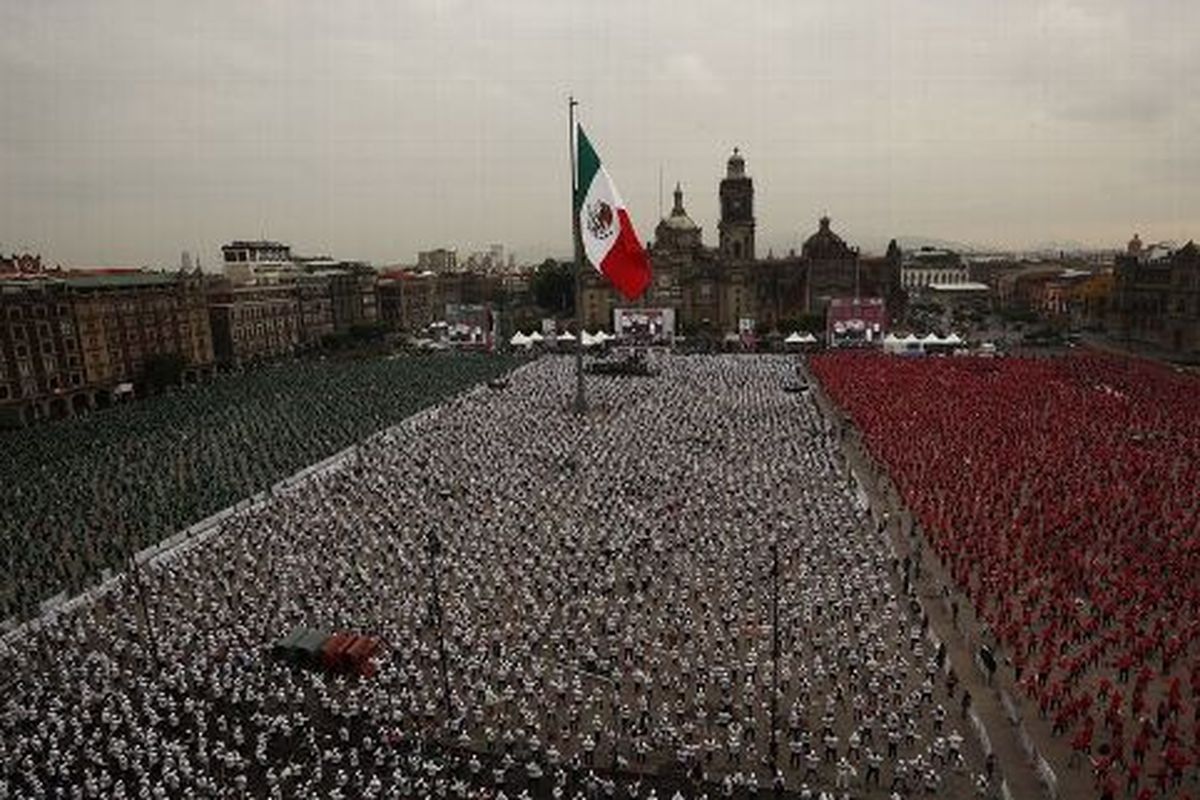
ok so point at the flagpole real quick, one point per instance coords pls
(580, 400)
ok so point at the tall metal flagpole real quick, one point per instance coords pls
(580, 399)
(774, 658)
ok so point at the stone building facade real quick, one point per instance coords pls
(254, 323)
(932, 266)
(716, 289)
(1156, 297)
(71, 340)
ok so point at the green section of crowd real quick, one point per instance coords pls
(78, 496)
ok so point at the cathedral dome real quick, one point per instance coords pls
(825, 244)
(678, 230)
(679, 220)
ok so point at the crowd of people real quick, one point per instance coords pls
(78, 496)
(570, 607)
(1062, 497)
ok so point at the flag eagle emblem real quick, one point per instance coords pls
(600, 219)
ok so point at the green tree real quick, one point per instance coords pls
(813, 323)
(554, 287)
(163, 370)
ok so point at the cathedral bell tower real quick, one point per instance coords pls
(737, 211)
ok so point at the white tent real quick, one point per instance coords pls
(953, 338)
(520, 340)
(793, 338)
(589, 340)
(536, 337)
(566, 336)
(807, 338)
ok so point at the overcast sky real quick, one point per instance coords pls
(130, 131)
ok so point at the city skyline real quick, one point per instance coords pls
(375, 131)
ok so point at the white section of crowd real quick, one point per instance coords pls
(606, 590)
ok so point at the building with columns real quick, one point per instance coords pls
(714, 290)
(1156, 298)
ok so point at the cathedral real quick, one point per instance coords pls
(717, 290)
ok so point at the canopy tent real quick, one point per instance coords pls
(796, 338)
(520, 340)
(566, 336)
(536, 337)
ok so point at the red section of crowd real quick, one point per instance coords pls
(1063, 495)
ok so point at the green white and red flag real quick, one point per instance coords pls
(609, 240)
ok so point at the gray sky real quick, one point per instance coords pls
(132, 130)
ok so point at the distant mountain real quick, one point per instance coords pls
(910, 242)
(1063, 246)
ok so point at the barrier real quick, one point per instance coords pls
(1048, 778)
(985, 743)
(1010, 708)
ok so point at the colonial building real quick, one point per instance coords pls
(126, 318)
(410, 301)
(333, 295)
(72, 339)
(41, 374)
(245, 260)
(254, 323)
(1156, 298)
(930, 266)
(728, 288)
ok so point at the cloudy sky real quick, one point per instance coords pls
(130, 131)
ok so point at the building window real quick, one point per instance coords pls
(3, 391)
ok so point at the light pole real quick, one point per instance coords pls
(774, 658)
(135, 573)
(580, 397)
(433, 549)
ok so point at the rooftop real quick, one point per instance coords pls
(254, 244)
(960, 287)
(117, 279)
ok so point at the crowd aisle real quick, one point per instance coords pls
(1061, 496)
(606, 587)
(78, 496)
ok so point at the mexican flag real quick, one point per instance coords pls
(609, 240)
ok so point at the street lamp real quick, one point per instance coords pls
(774, 657)
(433, 549)
(135, 573)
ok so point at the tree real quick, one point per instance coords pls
(554, 287)
(162, 370)
(813, 323)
